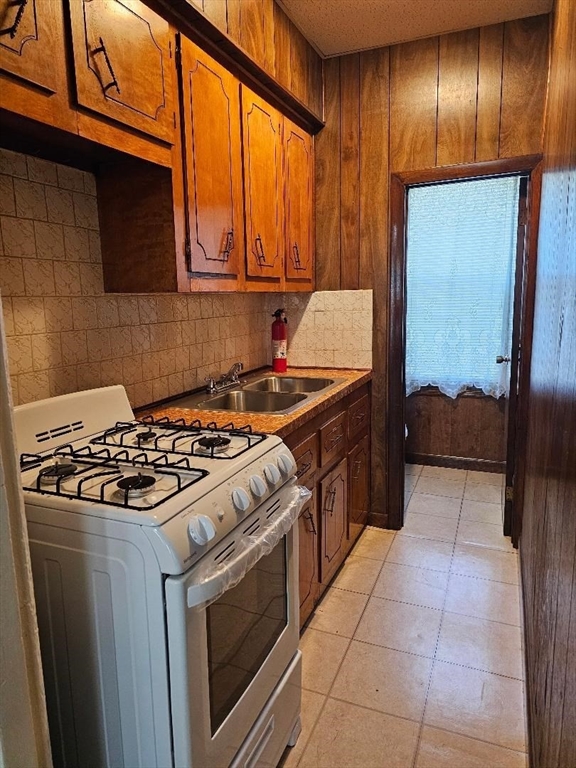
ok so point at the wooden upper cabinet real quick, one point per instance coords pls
(262, 152)
(299, 197)
(122, 64)
(213, 153)
(28, 48)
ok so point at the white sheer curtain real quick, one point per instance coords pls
(461, 251)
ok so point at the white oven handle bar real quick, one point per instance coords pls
(211, 580)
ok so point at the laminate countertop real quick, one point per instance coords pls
(270, 423)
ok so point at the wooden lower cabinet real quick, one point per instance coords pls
(333, 514)
(309, 566)
(330, 523)
(358, 488)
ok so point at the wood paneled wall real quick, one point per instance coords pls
(470, 427)
(459, 98)
(548, 539)
(466, 97)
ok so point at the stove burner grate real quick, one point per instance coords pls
(53, 474)
(212, 444)
(134, 486)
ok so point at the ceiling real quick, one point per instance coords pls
(336, 27)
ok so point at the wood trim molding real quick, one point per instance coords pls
(393, 358)
(511, 165)
(456, 462)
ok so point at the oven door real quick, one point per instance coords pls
(227, 657)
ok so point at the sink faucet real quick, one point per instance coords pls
(226, 380)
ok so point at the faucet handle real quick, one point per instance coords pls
(211, 381)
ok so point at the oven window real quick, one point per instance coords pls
(243, 627)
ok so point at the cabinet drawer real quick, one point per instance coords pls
(358, 416)
(306, 457)
(333, 439)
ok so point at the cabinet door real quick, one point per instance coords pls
(333, 500)
(29, 49)
(358, 488)
(262, 152)
(211, 97)
(299, 198)
(122, 63)
(308, 551)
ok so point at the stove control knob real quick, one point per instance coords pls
(201, 529)
(240, 499)
(257, 486)
(271, 474)
(285, 463)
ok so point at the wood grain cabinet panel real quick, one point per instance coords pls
(358, 488)
(122, 64)
(214, 163)
(28, 48)
(358, 417)
(298, 196)
(308, 550)
(333, 513)
(333, 439)
(262, 153)
(306, 458)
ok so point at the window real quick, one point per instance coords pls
(461, 252)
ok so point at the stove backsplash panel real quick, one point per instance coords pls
(65, 334)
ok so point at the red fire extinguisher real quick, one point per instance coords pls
(279, 342)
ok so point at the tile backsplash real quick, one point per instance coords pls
(330, 329)
(65, 334)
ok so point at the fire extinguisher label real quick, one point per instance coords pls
(279, 349)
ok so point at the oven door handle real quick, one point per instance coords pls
(211, 579)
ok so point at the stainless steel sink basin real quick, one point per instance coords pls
(288, 384)
(250, 401)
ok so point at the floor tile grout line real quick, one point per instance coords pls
(429, 686)
(476, 738)
(343, 657)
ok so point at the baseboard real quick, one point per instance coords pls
(456, 462)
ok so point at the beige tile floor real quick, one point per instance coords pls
(414, 657)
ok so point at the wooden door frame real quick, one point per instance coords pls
(391, 348)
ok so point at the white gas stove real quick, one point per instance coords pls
(165, 569)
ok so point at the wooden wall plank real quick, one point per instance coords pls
(469, 427)
(282, 32)
(524, 81)
(299, 64)
(457, 88)
(327, 159)
(349, 171)
(548, 538)
(315, 100)
(413, 104)
(489, 92)
(374, 130)
(216, 11)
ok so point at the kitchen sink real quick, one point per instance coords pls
(288, 384)
(251, 401)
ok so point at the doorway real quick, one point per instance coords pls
(519, 179)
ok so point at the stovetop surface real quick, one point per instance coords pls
(143, 465)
